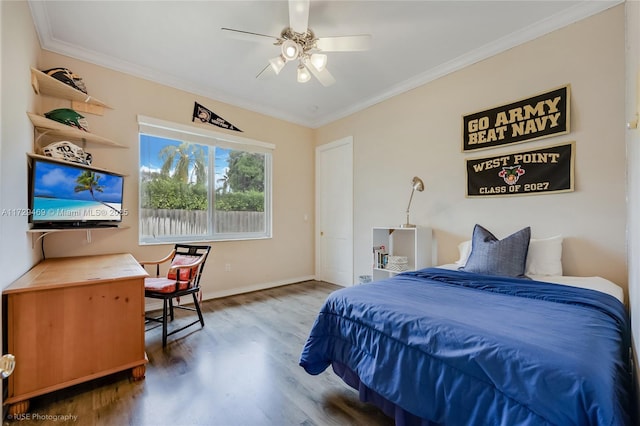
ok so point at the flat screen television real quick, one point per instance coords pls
(69, 195)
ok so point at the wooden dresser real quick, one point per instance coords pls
(73, 319)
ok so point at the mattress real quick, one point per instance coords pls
(451, 347)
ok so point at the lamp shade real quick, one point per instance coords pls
(417, 184)
(303, 74)
(319, 61)
(290, 50)
(277, 64)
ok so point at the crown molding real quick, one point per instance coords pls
(572, 15)
(580, 11)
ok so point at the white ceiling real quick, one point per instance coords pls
(180, 44)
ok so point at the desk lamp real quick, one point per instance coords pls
(416, 185)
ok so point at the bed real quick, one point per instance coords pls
(443, 346)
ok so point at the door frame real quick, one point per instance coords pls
(347, 141)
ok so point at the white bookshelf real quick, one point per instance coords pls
(414, 243)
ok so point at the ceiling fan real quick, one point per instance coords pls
(298, 43)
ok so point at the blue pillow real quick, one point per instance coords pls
(490, 256)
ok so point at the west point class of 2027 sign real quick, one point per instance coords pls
(543, 170)
(540, 116)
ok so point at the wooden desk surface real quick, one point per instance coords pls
(70, 271)
(73, 319)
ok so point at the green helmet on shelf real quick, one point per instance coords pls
(69, 117)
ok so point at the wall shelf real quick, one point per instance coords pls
(53, 128)
(44, 84)
(44, 232)
(414, 243)
(56, 160)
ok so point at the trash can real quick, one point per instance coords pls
(363, 279)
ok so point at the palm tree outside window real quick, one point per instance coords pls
(194, 192)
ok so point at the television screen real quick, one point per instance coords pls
(73, 195)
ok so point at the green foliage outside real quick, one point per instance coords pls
(246, 171)
(162, 192)
(241, 189)
(180, 158)
(251, 201)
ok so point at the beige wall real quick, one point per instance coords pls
(20, 44)
(633, 171)
(285, 258)
(19, 51)
(419, 133)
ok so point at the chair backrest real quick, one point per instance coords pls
(186, 254)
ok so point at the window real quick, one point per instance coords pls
(201, 185)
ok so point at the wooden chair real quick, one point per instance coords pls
(182, 279)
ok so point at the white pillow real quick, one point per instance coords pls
(464, 248)
(544, 256)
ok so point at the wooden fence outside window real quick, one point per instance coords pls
(166, 222)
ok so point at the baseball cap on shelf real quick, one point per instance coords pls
(67, 77)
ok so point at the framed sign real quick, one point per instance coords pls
(540, 116)
(540, 171)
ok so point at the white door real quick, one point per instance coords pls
(334, 212)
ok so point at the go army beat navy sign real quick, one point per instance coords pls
(537, 117)
(538, 171)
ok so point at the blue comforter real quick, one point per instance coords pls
(457, 348)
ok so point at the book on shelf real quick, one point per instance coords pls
(380, 257)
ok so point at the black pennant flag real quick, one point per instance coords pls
(207, 116)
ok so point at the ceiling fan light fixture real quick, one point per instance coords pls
(290, 50)
(319, 61)
(303, 74)
(298, 42)
(277, 64)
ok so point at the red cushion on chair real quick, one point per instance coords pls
(185, 273)
(164, 285)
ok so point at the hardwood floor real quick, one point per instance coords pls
(240, 369)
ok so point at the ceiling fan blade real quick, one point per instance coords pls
(324, 77)
(344, 43)
(247, 35)
(267, 72)
(299, 15)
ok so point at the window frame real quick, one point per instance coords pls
(211, 138)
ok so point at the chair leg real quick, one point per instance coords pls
(171, 308)
(197, 305)
(164, 323)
